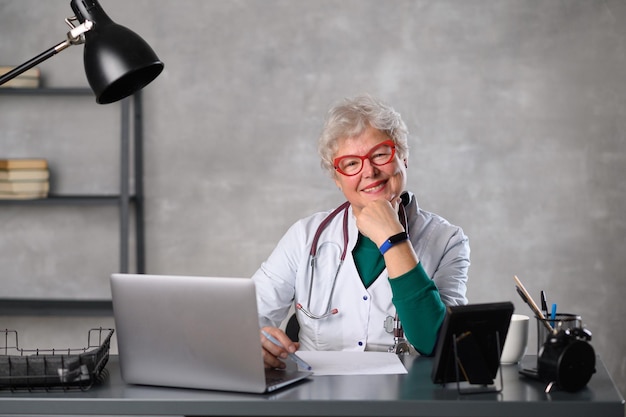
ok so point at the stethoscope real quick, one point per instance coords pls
(313, 258)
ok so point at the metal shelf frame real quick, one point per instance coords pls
(131, 137)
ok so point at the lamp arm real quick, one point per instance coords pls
(74, 37)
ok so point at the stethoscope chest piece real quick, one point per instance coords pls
(400, 345)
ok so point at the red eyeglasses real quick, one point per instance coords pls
(379, 155)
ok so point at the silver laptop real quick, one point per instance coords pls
(192, 332)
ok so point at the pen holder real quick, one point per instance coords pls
(565, 357)
(562, 321)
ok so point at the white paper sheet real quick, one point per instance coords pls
(352, 363)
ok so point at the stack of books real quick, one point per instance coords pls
(30, 78)
(22, 179)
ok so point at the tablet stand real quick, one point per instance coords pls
(470, 362)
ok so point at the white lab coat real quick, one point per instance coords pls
(284, 278)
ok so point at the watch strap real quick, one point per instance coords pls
(397, 238)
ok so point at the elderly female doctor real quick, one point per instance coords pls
(377, 257)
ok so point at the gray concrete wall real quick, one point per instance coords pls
(517, 113)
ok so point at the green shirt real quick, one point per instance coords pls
(415, 296)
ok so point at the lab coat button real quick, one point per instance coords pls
(360, 343)
(365, 297)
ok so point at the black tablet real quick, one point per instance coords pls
(479, 332)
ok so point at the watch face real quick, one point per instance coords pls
(400, 237)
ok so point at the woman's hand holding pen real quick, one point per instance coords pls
(273, 353)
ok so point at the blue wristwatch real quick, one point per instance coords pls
(400, 237)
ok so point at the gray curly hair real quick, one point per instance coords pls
(351, 117)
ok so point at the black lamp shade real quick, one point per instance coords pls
(118, 62)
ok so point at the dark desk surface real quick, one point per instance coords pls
(364, 395)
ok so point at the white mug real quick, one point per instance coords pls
(516, 340)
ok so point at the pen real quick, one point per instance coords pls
(301, 363)
(531, 303)
(553, 315)
(544, 303)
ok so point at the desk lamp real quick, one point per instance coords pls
(118, 62)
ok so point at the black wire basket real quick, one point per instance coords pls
(54, 369)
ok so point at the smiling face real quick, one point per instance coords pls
(373, 182)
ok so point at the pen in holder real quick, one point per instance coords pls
(564, 356)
